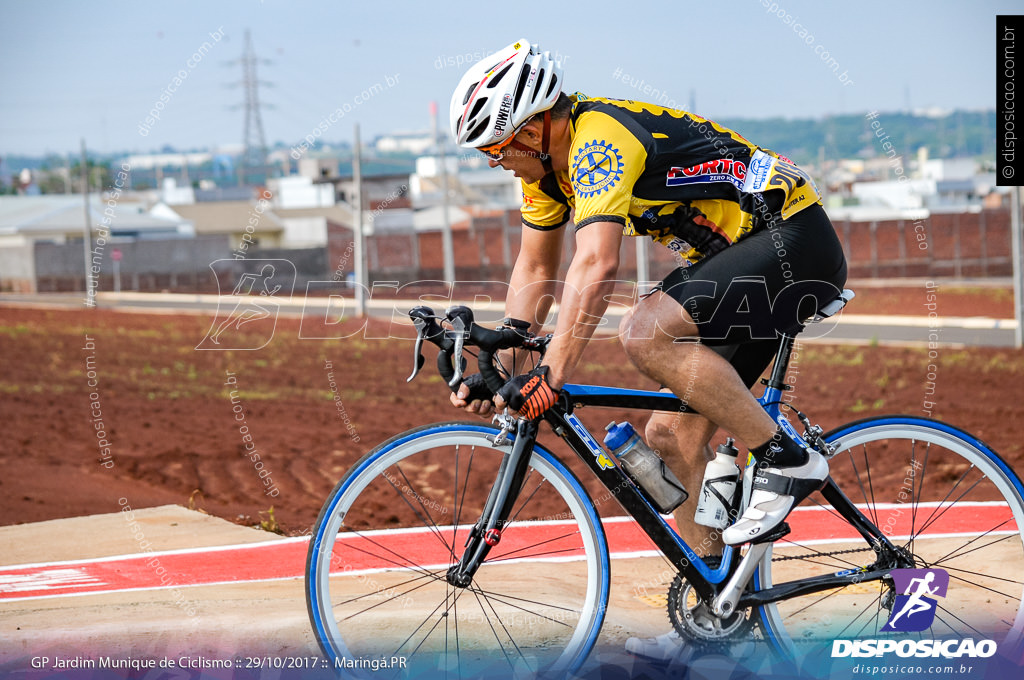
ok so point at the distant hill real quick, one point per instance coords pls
(960, 133)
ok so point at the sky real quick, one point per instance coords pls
(94, 70)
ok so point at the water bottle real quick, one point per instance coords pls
(718, 488)
(645, 467)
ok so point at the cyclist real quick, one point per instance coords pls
(758, 254)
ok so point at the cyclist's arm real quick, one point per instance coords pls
(589, 282)
(531, 291)
(532, 284)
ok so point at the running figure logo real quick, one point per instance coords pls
(253, 317)
(914, 610)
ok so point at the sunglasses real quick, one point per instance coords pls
(496, 152)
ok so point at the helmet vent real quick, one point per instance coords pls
(480, 129)
(496, 78)
(551, 87)
(521, 85)
(536, 90)
(477, 106)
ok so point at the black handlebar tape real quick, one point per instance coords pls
(444, 367)
(492, 378)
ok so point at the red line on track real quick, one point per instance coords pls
(285, 559)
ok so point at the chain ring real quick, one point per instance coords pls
(692, 618)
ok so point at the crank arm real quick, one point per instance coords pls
(725, 603)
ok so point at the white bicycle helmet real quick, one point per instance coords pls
(501, 92)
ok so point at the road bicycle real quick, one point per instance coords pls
(410, 561)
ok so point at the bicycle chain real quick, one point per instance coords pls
(820, 554)
(814, 639)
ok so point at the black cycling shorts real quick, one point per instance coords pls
(767, 283)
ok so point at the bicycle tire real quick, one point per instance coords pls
(935, 468)
(556, 613)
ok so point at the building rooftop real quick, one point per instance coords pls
(227, 217)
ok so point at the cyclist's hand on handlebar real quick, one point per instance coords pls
(474, 396)
(529, 394)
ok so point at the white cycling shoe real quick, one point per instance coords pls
(662, 648)
(775, 491)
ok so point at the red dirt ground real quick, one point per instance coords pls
(174, 438)
(950, 300)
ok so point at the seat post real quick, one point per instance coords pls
(777, 380)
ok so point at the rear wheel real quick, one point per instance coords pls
(935, 491)
(375, 574)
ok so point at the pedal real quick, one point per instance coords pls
(774, 535)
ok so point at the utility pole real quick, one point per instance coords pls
(1017, 243)
(642, 271)
(357, 228)
(446, 225)
(90, 301)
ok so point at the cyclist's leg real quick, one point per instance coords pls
(682, 440)
(725, 299)
(650, 336)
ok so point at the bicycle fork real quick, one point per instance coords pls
(486, 533)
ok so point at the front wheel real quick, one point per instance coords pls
(937, 492)
(375, 573)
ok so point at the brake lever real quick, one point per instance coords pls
(461, 333)
(461, 319)
(421, 331)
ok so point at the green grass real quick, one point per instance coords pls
(15, 331)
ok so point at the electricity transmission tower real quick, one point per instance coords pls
(254, 157)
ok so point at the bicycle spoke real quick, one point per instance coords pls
(955, 553)
(493, 632)
(363, 611)
(506, 558)
(397, 585)
(402, 565)
(490, 593)
(423, 623)
(948, 494)
(458, 644)
(528, 498)
(505, 555)
(501, 598)
(860, 481)
(505, 628)
(978, 585)
(939, 607)
(916, 498)
(946, 472)
(826, 506)
(947, 508)
(434, 529)
(455, 500)
(835, 591)
(863, 611)
(871, 486)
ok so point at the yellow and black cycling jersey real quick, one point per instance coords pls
(681, 179)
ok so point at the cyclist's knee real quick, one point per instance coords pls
(636, 331)
(676, 433)
(661, 430)
(627, 333)
(666, 431)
